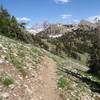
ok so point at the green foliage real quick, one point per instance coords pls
(34, 50)
(71, 43)
(62, 82)
(6, 80)
(94, 61)
(10, 27)
(19, 65)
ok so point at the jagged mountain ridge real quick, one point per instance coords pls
(57, 30)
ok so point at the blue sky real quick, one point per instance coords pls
(62, 11)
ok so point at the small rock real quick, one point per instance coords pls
(15, 54)
(33, 75)
(85, 97)
(72, 93)
(74, 85)
(97, 97)
(1, 61)
(5, 51)
(4, 48)
(1, 45)
(3, 56)
(40, 97)
(7, 61)
(26, 77)
(12, 86)
(5, 95)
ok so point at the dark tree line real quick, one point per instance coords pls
(94, 60)
(80, 41)
(10, 27)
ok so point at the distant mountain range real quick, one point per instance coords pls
(35, 29)
(57, 30)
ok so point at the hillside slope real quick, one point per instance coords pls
(31, 73)
(25, 72)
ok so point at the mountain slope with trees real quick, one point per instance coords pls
(26, 58)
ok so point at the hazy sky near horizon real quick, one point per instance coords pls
(54, 11)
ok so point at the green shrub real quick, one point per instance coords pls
(62, 82)
(6, 80)
(19, 65)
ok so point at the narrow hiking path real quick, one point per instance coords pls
(40, 83)
(48, 77)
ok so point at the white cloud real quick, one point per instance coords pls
(76, 21)
(24, 19)
(62, 1)
(93, 19)
(65, 16)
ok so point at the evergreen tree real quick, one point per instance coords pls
(94, 61)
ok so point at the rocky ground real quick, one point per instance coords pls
(26, 73)
(30, 73)
(39, 84)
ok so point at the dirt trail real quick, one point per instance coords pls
(48, 77)
(40, 84)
